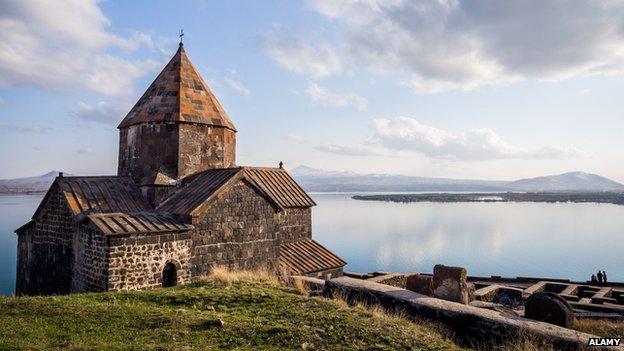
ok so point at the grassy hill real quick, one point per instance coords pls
(257, 313)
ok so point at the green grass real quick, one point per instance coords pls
(257, 315)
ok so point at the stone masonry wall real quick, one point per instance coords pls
(155, 194)
(241, 229)
(295, 225)
(203, 147)
(90, 260)
(50, 260)
(178, 149)
(145, 148)
(24, 260)
(238, 230)
(137, 261)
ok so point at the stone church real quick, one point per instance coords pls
(178, 207)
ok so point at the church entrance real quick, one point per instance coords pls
(169, 275)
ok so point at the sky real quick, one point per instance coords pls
(481, 89)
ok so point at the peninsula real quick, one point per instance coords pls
(551, 197)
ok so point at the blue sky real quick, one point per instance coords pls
(479, 89)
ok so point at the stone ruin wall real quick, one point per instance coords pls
(146, 147)
(137, 261)
(203, 147)
(328, 274)
(90, 259)
(45, 252)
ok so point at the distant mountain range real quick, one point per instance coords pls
(313, 179)
(28, 185)
(320, 180)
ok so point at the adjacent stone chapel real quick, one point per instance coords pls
(178, 207)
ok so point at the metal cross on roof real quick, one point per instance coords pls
(181, 35)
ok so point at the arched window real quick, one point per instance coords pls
(169, 275)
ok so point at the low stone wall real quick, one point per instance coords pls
(328, 274)
(474, 324)
(394, 279)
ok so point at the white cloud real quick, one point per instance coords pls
(367, 148)
(237, 86)
(460, 45)
(63, 45)
(2, 102)
(317, 61)
(404, 133)
(325, 97)
(102, 112)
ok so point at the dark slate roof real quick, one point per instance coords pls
(305, 257)
(134, 223)
(198, 189)
(178, 94)
(280, 186)
(86, 195)
(102, 194)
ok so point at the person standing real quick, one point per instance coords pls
(599, 275)
(604, 277)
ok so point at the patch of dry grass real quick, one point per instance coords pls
(229, 276)
(525, 343)
(300, 286)
(601, 327)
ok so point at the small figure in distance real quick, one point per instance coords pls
(604, 277)
(599, 277)
(594, 280)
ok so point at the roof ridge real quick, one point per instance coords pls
(263, 168)
(129, 213)
(100, 176)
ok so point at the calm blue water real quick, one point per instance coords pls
(509, 239)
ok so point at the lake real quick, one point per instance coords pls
(563, 240)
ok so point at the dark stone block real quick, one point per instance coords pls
(450, 283)
(419, 283)
(550, 308)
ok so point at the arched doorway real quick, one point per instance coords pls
(169, 275)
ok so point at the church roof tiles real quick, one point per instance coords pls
(307, 256)
(276, 184)
(280, 186)
(178, 94)
(105, 194)
(102, 194)
(135, 223)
